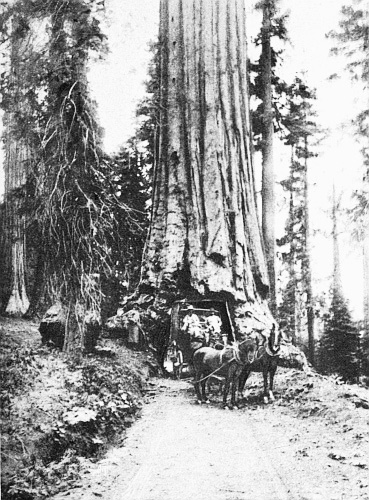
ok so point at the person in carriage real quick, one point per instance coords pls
(192, 326)
(217, 339)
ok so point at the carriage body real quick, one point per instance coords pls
(203, 309)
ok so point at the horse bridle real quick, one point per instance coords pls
(266, 345)
(269, 351)
(236, 350)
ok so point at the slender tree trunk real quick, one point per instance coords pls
(204, 238)
(337, 283)
(17, 157)
(366, 282)
(366, 229)
(4, 265)
(268, 197)
(292, 272)
(307, 265)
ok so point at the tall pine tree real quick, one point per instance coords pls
(352, 40)
(340, 342)
(268, 88)
(296, 311)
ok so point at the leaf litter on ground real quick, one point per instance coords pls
(56, 411)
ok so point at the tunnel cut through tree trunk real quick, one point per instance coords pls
(204, 239)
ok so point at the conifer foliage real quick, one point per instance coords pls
(292, 121)
(339, 347)
(352, 40)
(296, 311)
(75, 211)
(339, 344)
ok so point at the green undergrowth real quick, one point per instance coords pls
(312, 395)
(56, 412)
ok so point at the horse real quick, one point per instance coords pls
(266, 361)
(228, 363)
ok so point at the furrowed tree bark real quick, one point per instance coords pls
(268, 196)
(17, 158)
(204, 239)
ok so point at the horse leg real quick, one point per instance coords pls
(242, 381)
(265, 377)
(234, 388)
(272, 371)
(226, 390)
(197, 386)
(203, 391)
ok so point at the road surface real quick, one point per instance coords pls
(179, 450)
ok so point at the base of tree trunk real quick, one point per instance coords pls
(154, 308)
(58, 328)
(18, 305)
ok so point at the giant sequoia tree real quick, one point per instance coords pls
(17, 164)
(204, 238)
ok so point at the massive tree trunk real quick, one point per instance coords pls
(17, 158)
(204, 238)
(268, 197)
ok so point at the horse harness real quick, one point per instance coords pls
(236, 357)
(265, 348)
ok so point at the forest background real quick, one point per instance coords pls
(76, 209)
(308, 54)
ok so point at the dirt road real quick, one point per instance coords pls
(181, 450)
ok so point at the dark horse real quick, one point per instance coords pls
(266, 361)
(228, 363)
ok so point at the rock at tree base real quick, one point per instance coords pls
(92, 330)
(52, 326)
(290, 356)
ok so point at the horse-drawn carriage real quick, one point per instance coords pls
(233, 362)
(179, 352)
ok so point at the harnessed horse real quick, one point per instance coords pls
(228, 363)
(266, 361)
